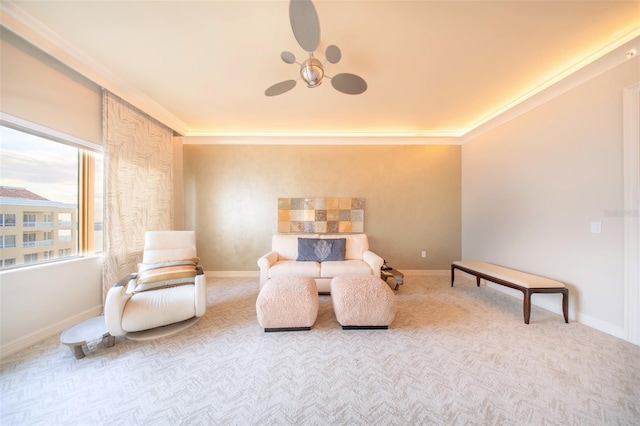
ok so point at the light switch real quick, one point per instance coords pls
(596, 227)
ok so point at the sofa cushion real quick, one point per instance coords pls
(346, 267)
(356, 244)
(321, 250)
(294, 267)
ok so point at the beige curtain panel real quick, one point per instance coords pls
(138, 155)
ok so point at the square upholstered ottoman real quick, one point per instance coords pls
(362, 301)
(287, 303)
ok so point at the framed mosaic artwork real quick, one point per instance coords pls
(320, 215)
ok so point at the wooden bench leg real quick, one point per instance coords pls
(468, 272)
(527, 306)
(527, 302)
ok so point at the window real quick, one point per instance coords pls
(29, 239)
(56, 188)
(8, 241)
(29, 220)
(7, 262)
(64, 235)
(7, 220)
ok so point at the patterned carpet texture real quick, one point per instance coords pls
(457, 355)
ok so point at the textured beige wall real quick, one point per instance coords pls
(532, 187)
(412, 198)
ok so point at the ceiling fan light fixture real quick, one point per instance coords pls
(306, 29)
(312, 72)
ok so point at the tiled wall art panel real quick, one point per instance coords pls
(138, 155)
(320, 215)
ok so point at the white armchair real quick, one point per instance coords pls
(166, 295)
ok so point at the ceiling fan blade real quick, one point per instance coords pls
(333, 54)
(305, 24)
(280, 88)
(288, 57)
(350, 84)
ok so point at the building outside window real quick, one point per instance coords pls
(49, 197)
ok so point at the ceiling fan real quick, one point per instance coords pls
(306, 29)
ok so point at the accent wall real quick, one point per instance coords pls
(412, 195)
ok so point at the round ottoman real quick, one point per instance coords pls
(362, 301)
(287, 303)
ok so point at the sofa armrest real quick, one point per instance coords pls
(116, 299)
(265, 263)
(374, 261)
(201, 292)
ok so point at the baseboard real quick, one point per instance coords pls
(544, 301)
(44, 333)
(256, 274)
(232, 274)
(598, 324)
(423, 272)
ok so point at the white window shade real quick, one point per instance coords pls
(37, 88)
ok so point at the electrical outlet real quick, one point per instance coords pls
(424, 254)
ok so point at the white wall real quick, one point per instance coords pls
(42, 300)
(532, 186)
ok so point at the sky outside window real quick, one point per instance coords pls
(41, 166)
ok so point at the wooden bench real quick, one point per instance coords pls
(528, 284)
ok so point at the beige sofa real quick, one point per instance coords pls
(282, 260)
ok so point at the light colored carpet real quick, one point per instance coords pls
(457, 355)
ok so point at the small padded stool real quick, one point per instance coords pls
(287, 303)
(362, 301)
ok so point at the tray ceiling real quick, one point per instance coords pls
(433, 68)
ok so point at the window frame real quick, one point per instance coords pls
(86, 193)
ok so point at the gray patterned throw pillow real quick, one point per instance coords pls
(321, 250)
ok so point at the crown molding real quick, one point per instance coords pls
(26, 26)
(589, 68)
(16, 20)
(318, 139)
